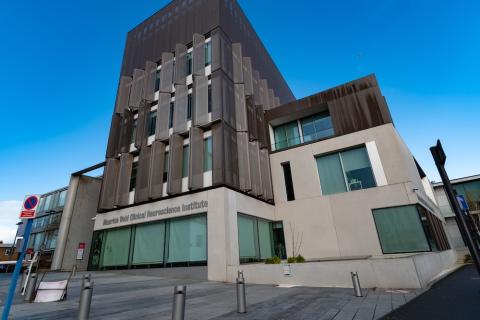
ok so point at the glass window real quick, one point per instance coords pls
(345, 171)
(165, 167)
(61, 198)
(286, 135)
(264, 239)
(189, 63)
(186, 150)
(208, 53)
(152, 122)
(400, 230)
(209, 98)
(51, 240)
(41, 205)
(287, 175)
(189, 107)
(149, 243)
(317, 127)
(246, 237)
(157, 80)
(471, 192)
(134, 130)
(37, 246)
(48, 203)
(188, 239)
(133, 176)
(170, 115)
(116, 248)
(207, 154)
(255, 238)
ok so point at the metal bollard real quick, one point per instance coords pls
(30, 290)
(85, 279)
(179, 293)
(241, 299)
(356, 284)
(85, 301)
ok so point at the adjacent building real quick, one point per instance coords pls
(469, 188)
(211, 161)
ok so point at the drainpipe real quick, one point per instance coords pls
(65, 223)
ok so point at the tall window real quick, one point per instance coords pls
(345, 171)
(170, 115)
(61, 198)
(152, 122)
(157, 80)
(286, 135)
(287, 174)
(189, 63)
(189, 106)
(207, 154)
(255, 238)
(133, 176)
(134, 130)
(165, 167)
(48, 202)
(317, 127)
(185, 157)
(208, 53)
(209, 98)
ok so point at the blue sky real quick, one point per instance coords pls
(60, 63)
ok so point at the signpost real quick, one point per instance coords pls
(80, 250)
(29, 210)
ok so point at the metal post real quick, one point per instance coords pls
(16, 272)
(241, 298)
(85, 301)
(178, 312)
(74, 270)
(30, 289)
(440, 158)
(356, 284)
(85, 279)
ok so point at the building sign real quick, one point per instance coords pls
(145, 213)
(29, 208)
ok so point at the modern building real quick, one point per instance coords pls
(211, 161)
(469, 188)
(6, 254)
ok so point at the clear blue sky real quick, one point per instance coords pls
(60, 63)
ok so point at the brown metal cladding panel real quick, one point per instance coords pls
(231, 157)
(200, 100)
(261, 128)
(218, 173)
(126, 132)
(123, 94)
(256, 87)
(123, 183)
(175, 164)
(245, 182)
(223, 100)
(198, 55)
(195, 172)
(180, 64)
(150, 77)
(157, 159)
(271, 99)
(222, 57)
(247, 76)
(114, 136)
(264, 92)
(251, 119)
(109, 184)
(240, 108)
(180, 109)
(266, 175)
(166, 73)
(140, 137)
(276, 102)
(228, 98)
(237, 63)
(138, 88)
(143, 175)
(163, 112)
(254, 168)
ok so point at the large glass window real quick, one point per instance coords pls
(317, 127)
(37, 245)
(149, 243)
(152, 122)
(116, 247)
(400, 230)
(471, 192)
(41, 205)
(61, 198)
(208, 53)
(345, 171)
(48, 202)
(255, 239)
(185, 157)
(286, 135)
(188, 239)
(207, 154)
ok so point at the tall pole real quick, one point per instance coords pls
(440, 158)
(16, 272)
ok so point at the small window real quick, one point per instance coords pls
(287, 174)
(152, 122)
(157, 80)
(134, 130)
(286, 135)
(209, 98)
(185, 157)
(317, 127)
(345, 171)
(170, 115)
(207, 154)
(208, 53)
(61, 198)
(8, 251)
(165, 167)
(189, 63)
(133, 176)
(189, 106)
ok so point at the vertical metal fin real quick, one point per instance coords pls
(237, 63)
(157, 160)
(245, 182)
(175, 165)
(114, 136)
(195, 172)
(180, 109)
(166, 73)
(123, 183)
(150, 77)
(200, 100)
(109, 184)
(123, 94)
(163, 114)
(180, 64)
(138, 88)
(143, 174)
(198, 55)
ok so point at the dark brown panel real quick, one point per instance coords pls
(218, 150)
(175, 164)
(127, 130)
(223, 105)
(271, 99)
(200, 100)
(251, 119)
(240, 108)
(180, 109)
(180, 64)
(253, 154)
(263, 92)
(261, 128)
(231, 157)
(222, 58)
(195, 172)
(256, 87)
(123, 183)
(198, 54)
(114, 136)
(157, 161)
(138, 88)
(163, 112)
(109, 184)
(166, 73)
(237, 63)
(141, 134)
(247, 76)
(143, 175)
(245, 183)
(123, 94)
(150, 77)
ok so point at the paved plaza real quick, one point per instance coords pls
(133, 295)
